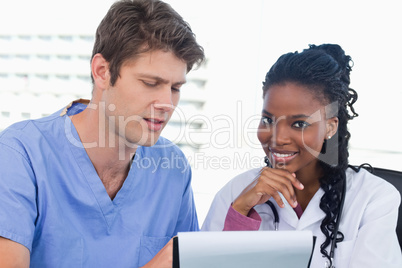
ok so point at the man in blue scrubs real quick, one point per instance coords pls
(94, 184)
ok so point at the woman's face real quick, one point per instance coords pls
(293, 127)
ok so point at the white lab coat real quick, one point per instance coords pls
(368, 220)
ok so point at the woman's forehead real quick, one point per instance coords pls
(291, 99)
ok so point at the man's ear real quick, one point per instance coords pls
(100, 71)
(332, 126)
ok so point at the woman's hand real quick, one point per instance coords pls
(268, 184)
(163, 259)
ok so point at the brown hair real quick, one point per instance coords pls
(132, 27)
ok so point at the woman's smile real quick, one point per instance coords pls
(281, 156)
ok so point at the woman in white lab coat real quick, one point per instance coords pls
(303, 132)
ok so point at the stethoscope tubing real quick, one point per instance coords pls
(338, 219)
(276, 216)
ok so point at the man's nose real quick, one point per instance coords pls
(164, 100)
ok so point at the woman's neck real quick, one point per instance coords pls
(310, 178)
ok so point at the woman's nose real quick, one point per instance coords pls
(280, 133)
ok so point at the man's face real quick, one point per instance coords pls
(144, 97)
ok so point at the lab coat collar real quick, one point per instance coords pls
(310, 216)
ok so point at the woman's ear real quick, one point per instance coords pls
(100, 72)
(332, 127)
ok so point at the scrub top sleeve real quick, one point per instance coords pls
(377, 244)
(18, 210)
(187, 220)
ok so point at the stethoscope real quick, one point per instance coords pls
(329, 263)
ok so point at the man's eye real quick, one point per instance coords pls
(266, 121)
(175, 89)
(150, 84)
(301, 124)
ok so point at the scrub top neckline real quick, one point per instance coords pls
(108, 207)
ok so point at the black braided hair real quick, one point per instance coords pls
(325, 70)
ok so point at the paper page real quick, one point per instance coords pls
(237, 249)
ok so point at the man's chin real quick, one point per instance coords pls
(151, 141)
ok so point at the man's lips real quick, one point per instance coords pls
(154, 124)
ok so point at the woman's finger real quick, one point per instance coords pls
(280, 181)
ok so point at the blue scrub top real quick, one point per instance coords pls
(53, 202)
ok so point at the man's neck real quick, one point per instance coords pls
(112, 163)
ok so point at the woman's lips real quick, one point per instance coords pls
(283, 157)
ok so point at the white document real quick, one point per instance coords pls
(240, 249)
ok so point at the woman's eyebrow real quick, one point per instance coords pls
(265, 112)
(296, 116)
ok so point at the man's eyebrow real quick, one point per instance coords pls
(160, 79)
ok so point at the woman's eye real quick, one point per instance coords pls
(266, 121)
(300, 124)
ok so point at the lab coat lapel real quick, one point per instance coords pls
(288, 215)
(313, 213)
